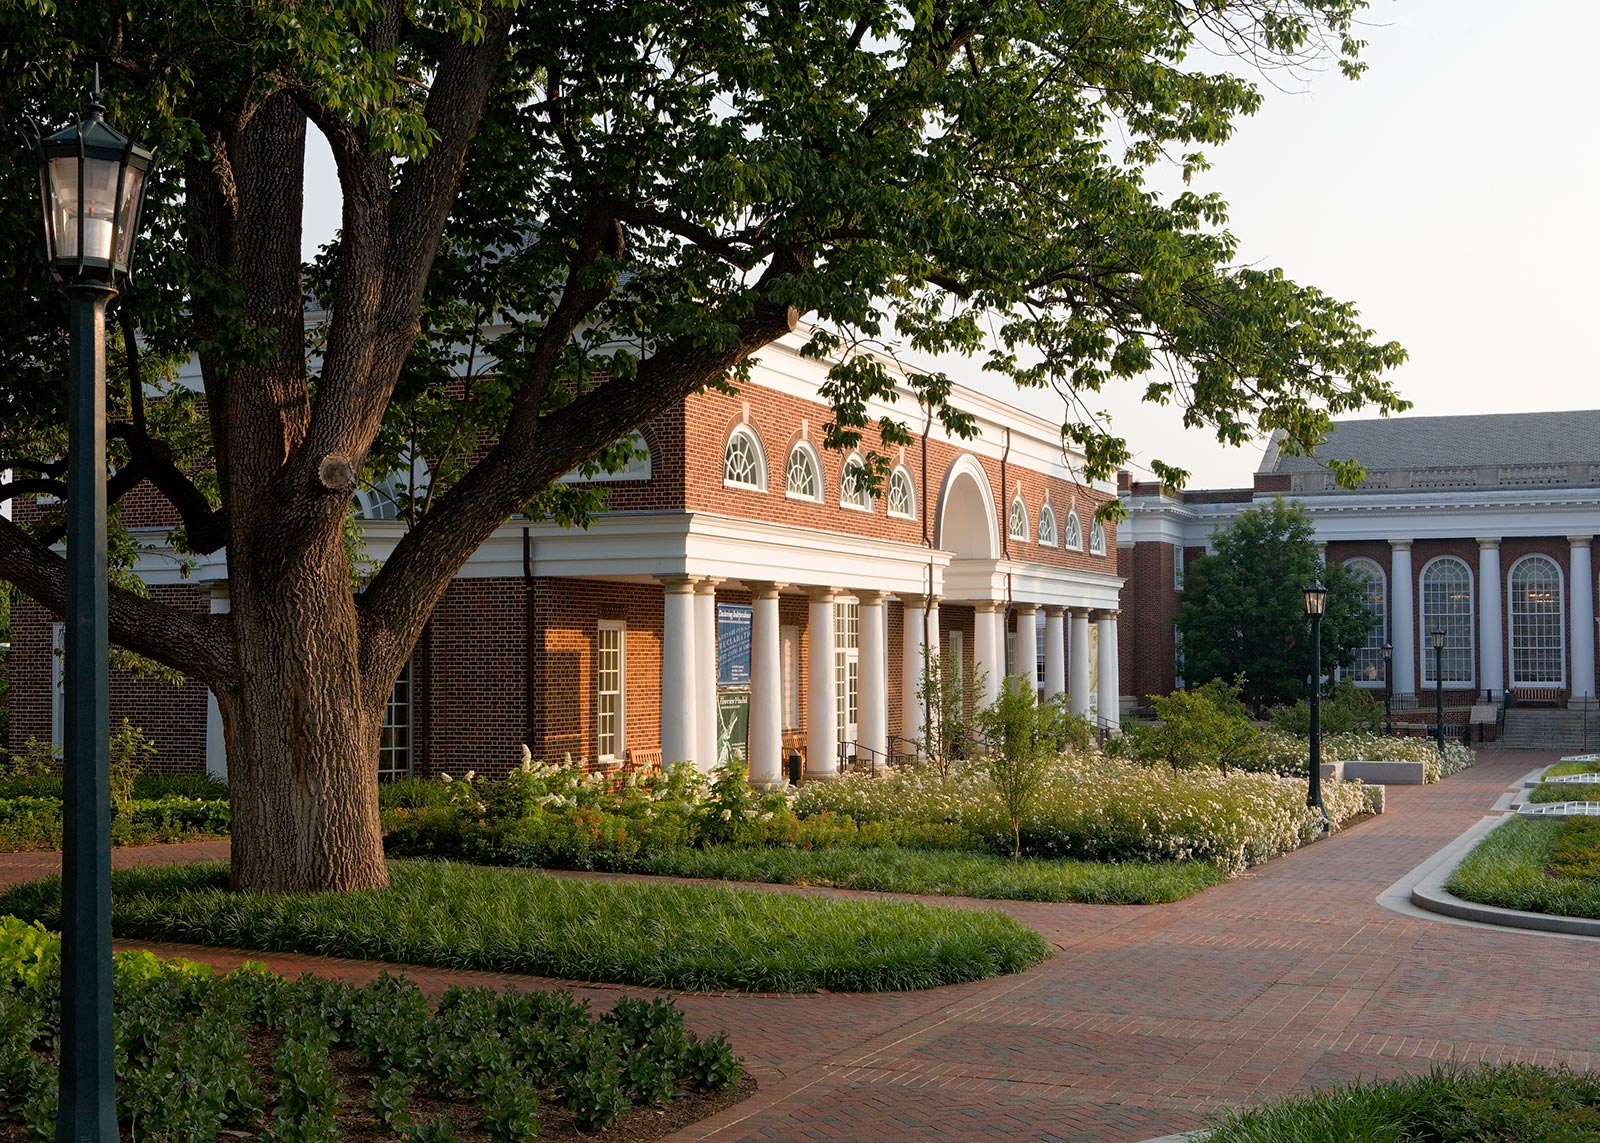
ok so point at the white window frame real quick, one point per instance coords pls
(638, 468)
(396, 759)
(58, 687)
(1518, 680)
(619, 745)
(1047, 513)
(854, 463)
(1177, 567)
(1469, 626)
(745, 432)
(900, 474)
(1017, 520)
(1072, 538)
(813, 466)
(789, 669)
(1097, 538)
(1038, 649)
(956, 647)
(1368, 668)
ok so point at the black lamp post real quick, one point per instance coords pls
(1388, 688)
(91, 183)
(1437, 635)
(1316, 604)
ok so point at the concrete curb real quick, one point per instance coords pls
(1428, 892)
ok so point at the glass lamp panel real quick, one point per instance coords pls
(62, 205)
(127, 212)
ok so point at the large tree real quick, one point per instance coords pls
(1244, 610)
(562, 216)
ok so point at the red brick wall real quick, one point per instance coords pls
(1145, 628)
(471, 702)
(173, 717)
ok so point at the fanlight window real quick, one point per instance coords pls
(1368, 666)
(1074, 537)
(902, 496)
(1447, 605)
(1017, 522)
(853, 485)
(1097, 539)
(1047, 527)
(636, 467)
(803, 479)
(1538, 648)
(744, 465)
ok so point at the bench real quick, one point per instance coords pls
(1377, 772)
(1536, 696)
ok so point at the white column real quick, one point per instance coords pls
(872, 727)
(1402, 611)
(1078, 672)
(1108, 687)
(1581, 588)
(766, 688)
(1491, 647)
(705, 664)
(216, 741)
(1027, 655)
(912, 660)
(988, 655)
(935, 645)
(822, 707)
(679, 710)
(1055, 662)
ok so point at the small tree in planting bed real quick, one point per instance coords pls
(948, 694)
(1023, 738)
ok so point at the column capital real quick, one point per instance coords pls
(866, 596)
(1488, 543)
(820, 594)
(912, 599)
(761, 588)
(218, 589)
(707, 585)
(1105, 614)
(1028, 607)
(1400, 545)
(1054, 610)
(989, 606)
(678, 582)
(1080, 612)
(1580, 541)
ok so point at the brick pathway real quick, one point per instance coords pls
(1289, 977)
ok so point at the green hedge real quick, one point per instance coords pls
(35, 823)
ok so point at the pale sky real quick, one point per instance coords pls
(1448, 193)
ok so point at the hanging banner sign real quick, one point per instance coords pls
(733, 644)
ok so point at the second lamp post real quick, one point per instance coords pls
(1437, 635)
(1316, 604)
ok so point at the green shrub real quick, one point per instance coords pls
(1345, 708)
(1021, 741)
(1205, 726)
(1576, 853)
(186, 1063)
(35, 823)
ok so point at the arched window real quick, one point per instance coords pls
(393, 496)
(1368, 667)
(803, 477)
(1074, 537)
(1017, 522)
(1097, 539)
(637, 466)
(744, 465)
(853, 486)
(1047, 527)
(1447, 605)
(1538, 627)
(902, 495)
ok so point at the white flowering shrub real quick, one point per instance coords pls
(1103, 809)
(1289, 754)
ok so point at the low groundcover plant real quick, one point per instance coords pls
(257, 1056)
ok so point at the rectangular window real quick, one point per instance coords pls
(610, 673)
(847, 667)
(1177, 567)
(1177, 657)
(394, 744)
(1038, 650)
(789, 664)
(956, 653)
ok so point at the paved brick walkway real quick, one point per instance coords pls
(1289, 977)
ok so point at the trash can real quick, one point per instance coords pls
(794, 764)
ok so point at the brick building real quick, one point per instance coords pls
(1480, 526)
(742, 591)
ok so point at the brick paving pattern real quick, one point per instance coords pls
(1289, 977)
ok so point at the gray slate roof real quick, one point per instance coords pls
(1442, 442)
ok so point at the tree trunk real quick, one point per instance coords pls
(302, 733)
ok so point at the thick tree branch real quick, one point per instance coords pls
(205, 526)
(199, 645)
(33, 486)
